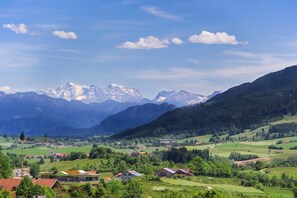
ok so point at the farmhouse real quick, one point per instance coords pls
(128, 175)
(72, 176)
(168, 172)
(183, 172)
(12, 184)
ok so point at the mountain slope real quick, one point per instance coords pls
(131, 117)
(39, 113)
(92, 93)
(238, 108)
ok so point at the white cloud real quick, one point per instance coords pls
(159, 13)
(149, 42)
(177, 41)
(17, 28)
(7, 90)
(65, 35)
(206, 37)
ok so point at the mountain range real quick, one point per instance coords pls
(80, 110)
(94, 94)
(118, 93)
(242, 107)
(35, 113)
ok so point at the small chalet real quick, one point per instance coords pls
(73, 176)
(168, 172)
(128, 175)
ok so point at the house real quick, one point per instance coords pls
(19, 173)
(167, 142)
(128, 175)
(183, 172)
(73, 176)
(12, 184)
(168, 172)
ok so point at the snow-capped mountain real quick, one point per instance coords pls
(92, 93)
(181, 98)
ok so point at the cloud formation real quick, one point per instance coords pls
(149, 42)
(17, 28)
(65, 35)
(160, 13)
(206, 37)
(177, 41)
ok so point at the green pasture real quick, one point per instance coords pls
(226, 187)
(203, 138)
(278, 171)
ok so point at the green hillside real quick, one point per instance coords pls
(246, 106)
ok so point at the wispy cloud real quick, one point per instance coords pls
(238, 67)
(17, 28)
(206, 37)
(160, 13)
(171, 74)
(149, 42)
(18, 56)
(65, 35)
(69, 51)
(193, 61)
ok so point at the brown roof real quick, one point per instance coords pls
(9, 184)
(45, 182)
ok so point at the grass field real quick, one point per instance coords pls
(258, 148)
(278, 171)
(203, 138)
(227, 187)
(46, 151)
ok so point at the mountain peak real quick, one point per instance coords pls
(180, 98)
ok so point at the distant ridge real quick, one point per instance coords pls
(131, 117)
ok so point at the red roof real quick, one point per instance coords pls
(9, 184)
(45, 182)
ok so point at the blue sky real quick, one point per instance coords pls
(199, 46)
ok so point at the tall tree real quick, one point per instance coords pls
(34, 170)
(5, 167)
(22, 137)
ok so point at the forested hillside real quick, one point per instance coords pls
(238, 108)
